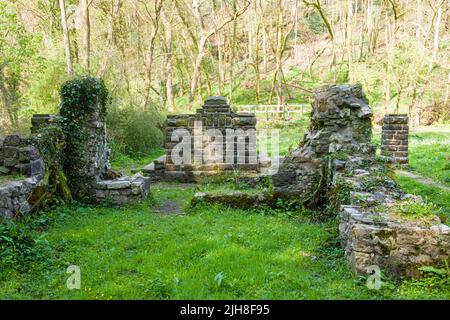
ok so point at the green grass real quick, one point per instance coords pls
(129, 165)
(432, 194)
(429, 152)
(429, 155)
(211, 252)
(290, 134)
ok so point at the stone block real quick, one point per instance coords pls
(114, 185)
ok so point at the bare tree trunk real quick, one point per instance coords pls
(66, 37)
(86, 34)
(349, 40)
(233, 53)
(151, 51)
(168, 66)
(110, 36)
(447, 91)
(201, 50)
(10, 99)
(221, 77)
(436, 38)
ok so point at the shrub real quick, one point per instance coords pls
(134, 132)
(417, 209)
(19, 245)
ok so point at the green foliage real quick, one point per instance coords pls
(79, 97)
(432, 278)
(8, 178)
(18, 56)
(50, 143)
(134, 132)
(337, 195)
(416, 209)
(432, 194)
(20, 245)
(42, 94)
(315, 23)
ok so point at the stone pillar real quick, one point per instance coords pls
(87, 156)
(394, 138)
(341, 128)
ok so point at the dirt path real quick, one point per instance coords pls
(421, 179)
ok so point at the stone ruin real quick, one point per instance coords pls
(371, 231)
(215, 116)
(394, 138)
(340, 125)
(19, 157)
(92, 176)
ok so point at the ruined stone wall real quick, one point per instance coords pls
(340, 124)
(374, 232)
(40, 121)
(87, 164)
(82, 119)
(394, 138)
(19, 157)
(215, 114)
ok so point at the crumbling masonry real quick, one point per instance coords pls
(216, 117)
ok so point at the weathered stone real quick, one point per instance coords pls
(394, 138)
(398, 247)
(119, 184)
(4, 170)
(340, 123)
(214, 115)
(235, 199)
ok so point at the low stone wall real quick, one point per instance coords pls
(372, 233)
(123, 190)
(236, 199)
(394, 138)
(397, 247)
(19, 157)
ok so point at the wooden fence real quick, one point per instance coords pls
(274, 110)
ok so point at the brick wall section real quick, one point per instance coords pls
(18, 156)
(394, 138)
(215, 114)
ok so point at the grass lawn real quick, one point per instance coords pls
(211, 252)
(429, 155)
(435, 195)
(429, 152)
